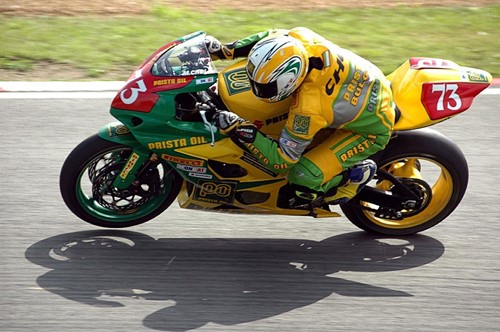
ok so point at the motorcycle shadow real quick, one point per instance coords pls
(219, 280)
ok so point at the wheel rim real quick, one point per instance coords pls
(430, 171)
(101, 200)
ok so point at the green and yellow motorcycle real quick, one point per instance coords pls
(165, 147)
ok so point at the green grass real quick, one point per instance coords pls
(112, 46)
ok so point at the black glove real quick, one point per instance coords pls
(231, 124)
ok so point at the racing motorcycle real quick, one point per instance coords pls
(166, 147)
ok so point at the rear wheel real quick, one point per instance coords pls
(86, 185)
(425, 163)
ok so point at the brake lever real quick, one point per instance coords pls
(203, 109)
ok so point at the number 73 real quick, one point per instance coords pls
(449, 99)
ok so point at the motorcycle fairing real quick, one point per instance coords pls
(428, 90)
(184, 63)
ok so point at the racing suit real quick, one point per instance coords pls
(341, 91)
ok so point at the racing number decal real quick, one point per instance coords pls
(134, 93)
(442, 100)
(448, 97)
(137, 95)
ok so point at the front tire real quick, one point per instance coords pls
(86, 186)
(431, 165)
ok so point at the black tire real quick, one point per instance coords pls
(417, 146)
(85, 188)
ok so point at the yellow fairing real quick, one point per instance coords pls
(428, 91)
(235, 91)
(225, 151)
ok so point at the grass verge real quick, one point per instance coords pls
(110, 47)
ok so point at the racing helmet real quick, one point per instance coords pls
(276, 67)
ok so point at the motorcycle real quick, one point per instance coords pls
(166, 147)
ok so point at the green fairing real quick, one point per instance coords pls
(118, 133)
(158, 125)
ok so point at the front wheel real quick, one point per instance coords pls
(424, 163)
(86, 186)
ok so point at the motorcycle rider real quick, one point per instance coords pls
(331, 87)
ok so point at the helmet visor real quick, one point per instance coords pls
(267, 91)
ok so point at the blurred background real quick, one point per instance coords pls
(106, 39)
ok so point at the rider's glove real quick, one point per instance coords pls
(231, 124)
(213, 44)
(217, 50)
(227, 121)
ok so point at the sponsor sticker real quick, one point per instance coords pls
(205, 80)
(200, 175)
(477, 76)
(117, 130)
(301, 124)
(287, 142)
(185, 161)
(189, 168)
(237, 81)
(215, 192)
(130, 164)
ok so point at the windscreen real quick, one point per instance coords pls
(186, 59)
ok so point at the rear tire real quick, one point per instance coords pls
(85, 185)
(408, 156)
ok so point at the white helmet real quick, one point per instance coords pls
(276, 67)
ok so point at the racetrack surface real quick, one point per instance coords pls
(196, 271)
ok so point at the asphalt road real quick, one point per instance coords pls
(199, 271)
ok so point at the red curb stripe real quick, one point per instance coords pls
(495, 82)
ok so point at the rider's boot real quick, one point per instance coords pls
(357, 177)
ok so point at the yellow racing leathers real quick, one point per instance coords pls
(341, 91)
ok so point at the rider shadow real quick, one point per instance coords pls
(224, 281)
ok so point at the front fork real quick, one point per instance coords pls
(129, 172)
(119, 133)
